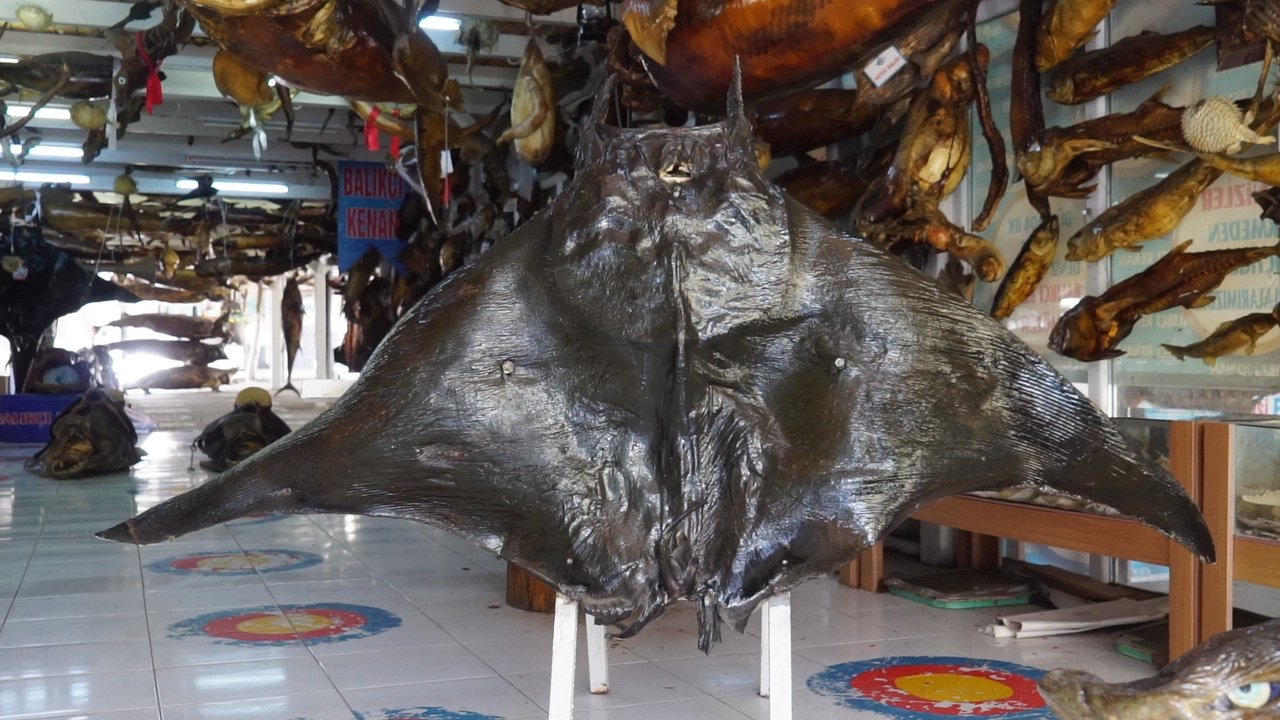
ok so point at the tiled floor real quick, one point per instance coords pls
(380, 618)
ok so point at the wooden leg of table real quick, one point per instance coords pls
(1184, 568)
(871, 569)
(850, 574)
(1218, 502)
(984, 552)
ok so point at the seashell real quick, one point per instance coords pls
(35, 18)
(1216, 125)
(88, 116)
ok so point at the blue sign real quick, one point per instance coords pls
(369, 200)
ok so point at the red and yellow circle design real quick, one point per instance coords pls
(286, 624)
(247, 562)
(919, 688)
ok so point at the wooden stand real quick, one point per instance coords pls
(526, 592)
(984, 521)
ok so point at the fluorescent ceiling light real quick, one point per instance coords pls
(43, 177)
(44, 113)
(439, 22)
(9, 59)
(1067, 303)
(51, 151)
(238, 186)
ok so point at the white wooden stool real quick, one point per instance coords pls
(775, 657)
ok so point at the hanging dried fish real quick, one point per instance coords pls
(1230, 337)
(1065, 159)
(830, 188)
(1028, 269)
(1094, 74)
(813, 118)
(1026, 111)
(1260, 168)
(1067, 26)
(692, 51)
(1145, 215)
(1095, 326)
(533, 102)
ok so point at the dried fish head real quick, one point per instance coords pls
(1088, 331)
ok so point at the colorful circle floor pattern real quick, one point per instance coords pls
(286, 624)
(424, 713)
(236, 563)
(929, 687)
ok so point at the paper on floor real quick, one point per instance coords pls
(1125, 611)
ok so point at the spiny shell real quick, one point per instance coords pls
(35, 18)
(88, 116)
(124, 184)
(1216, 125)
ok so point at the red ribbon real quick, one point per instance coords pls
(395, 139)
(155, 93)
(371, 129)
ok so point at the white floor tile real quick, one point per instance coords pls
(95, 657)
(311, 706)
(405, 666)
(228, 682)
(67, 694)
(490, 696)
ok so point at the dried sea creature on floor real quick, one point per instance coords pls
(93, 435)
(1145, 215)
(1095, 326)
(1093, 74)
(1066, 27)
(1028, 269)
(763, 398)
(1230, 337)
(250, 426)
(1232, 676)
(1217, 125)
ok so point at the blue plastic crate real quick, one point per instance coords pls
(27, 418)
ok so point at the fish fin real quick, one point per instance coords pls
(1133, 248)
(1200, 302)
(1106, 312)
(1251, 347)
(1176, 351)
(1180, 247)
(1211, 360)
(289, 386)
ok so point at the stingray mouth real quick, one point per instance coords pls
(675, 172)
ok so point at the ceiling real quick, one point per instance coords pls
(191, 127)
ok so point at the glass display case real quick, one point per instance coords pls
(1255, 473)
